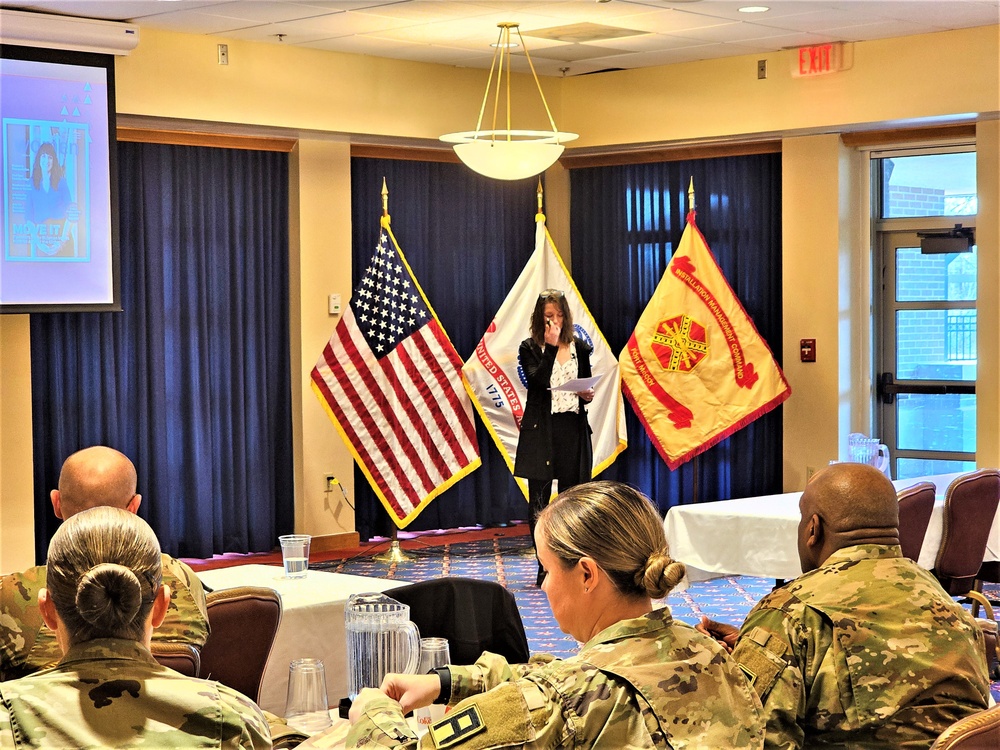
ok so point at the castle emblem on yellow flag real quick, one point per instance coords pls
(680, 343)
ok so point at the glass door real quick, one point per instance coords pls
(927, 387)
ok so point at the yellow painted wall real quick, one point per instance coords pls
(810, 300)
(306, 89)
(17, 541)
(323, 96)
(988, 333)
(321, 229)
(899, 80)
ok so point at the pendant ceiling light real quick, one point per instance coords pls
(508, 154)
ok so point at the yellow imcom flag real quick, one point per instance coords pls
(695, 369)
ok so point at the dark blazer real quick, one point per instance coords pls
(534, 446)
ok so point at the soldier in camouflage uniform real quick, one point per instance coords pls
(641, 680)
(90, 477)
(103, 599)
(865, 649)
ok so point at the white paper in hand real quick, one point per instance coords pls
(578, 384)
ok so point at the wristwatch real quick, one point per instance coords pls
(444, 674)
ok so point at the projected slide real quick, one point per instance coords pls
(45, 166)
(56, 221)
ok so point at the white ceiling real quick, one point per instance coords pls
(564, 37)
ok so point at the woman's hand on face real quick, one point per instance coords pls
(552, 332)
(412, 690)
(587, 395)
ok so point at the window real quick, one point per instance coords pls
(929, 185)
(927, 306)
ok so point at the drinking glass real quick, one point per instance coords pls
(307, 707)
(295, 554)
(433, 653)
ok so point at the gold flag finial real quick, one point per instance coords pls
(385, 198)
(539, 194)
(691, 195)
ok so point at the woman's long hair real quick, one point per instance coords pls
(556, 297)
(55, 175)
(103, 572)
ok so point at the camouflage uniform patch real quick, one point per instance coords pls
(761, 657)
(871, 652)
(456, 726)
(110, 693)
(647, 682)
(27, 645)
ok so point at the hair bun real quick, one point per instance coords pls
(659, 575)
(109, 594)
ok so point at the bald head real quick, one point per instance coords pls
(846, 504)
(92, 477)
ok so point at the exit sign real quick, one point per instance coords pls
(819, 59)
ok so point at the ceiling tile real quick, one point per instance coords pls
(819, 21)
(946, 14)
(730, 11)
(194, 22)
(108, 10)
(572, 52)
(649, 59)
(256, 12)
(879, 30)
(342, 24)
(425, 11)
(671, 21)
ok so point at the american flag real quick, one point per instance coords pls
(391, 381)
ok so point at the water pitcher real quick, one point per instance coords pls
(866, 450)
(380, 639)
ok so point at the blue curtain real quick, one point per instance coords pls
(467, 239)
(625, 221)
(192, 380)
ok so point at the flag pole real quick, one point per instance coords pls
(540, 215)
(695, 462)
(395, 554)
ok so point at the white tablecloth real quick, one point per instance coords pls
(757, 536)
(312, 622)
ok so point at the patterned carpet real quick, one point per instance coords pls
(511, 562)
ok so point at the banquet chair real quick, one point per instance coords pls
(243, 622)
(989, 572)
(474, 616)
(969, 508)
(916, 504)
(981, 731)
(180, 657)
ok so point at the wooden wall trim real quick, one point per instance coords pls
(668, 153)
(569, 160)
(864, 138)
(372, 151)
(213, 140)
